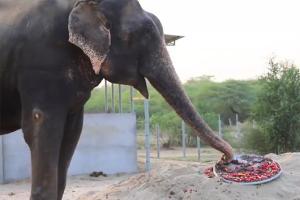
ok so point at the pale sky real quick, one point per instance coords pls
(229, 39)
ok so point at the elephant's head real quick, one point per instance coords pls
(126, 45)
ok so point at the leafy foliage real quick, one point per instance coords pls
(254, 139)
(210, 98)
(273, 102)
(277, 110)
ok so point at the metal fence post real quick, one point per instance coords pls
(147, 134)
(120, 99)
(198, 147)
(183, 139)
(220, 126)
(1, 160)
(106, 97)
(238, 130)
(237, 124)
(112, 98)
(131, 100)
(253, 124)
(157, 140)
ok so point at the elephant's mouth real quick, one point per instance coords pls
(96, 58)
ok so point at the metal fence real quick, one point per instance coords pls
(183, 137)
(111, 107)
(120, 102)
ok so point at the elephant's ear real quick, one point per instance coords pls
(88, 30)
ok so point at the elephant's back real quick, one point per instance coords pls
(27, 17)
(11, 12)
(11, 15)
(31, 27)
(32, 17)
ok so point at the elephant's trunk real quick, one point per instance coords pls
(161, 74)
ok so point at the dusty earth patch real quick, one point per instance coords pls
(173, 180)
(182, 180)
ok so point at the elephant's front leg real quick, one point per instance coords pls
(72, 132)
(43, 131)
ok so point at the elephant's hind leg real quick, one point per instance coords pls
(71, 136)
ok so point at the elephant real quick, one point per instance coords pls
(54, 52)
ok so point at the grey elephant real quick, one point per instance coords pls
(54, 52)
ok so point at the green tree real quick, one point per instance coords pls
(277, 109)
(210, 98)
(227, 98)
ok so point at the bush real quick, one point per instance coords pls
(277, 109)
(229, 134)
(255, 139)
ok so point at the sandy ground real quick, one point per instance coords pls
(173, 179)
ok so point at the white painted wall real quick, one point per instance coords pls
(107, 144)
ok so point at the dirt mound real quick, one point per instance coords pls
(185, 180)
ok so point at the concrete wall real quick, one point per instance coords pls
(1, 161)
(107, 144)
